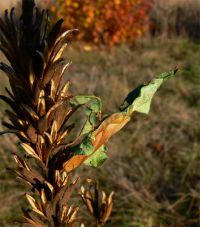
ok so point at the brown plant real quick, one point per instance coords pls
(98, 205)
(39, 114)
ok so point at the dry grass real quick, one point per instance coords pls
(154, 162)
(176, 17)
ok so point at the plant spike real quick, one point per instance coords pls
(40, 107)
(97, 203)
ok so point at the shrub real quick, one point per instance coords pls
(102, 21)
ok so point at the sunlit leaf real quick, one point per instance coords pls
(140, 98)
(93, 107)
(98, 158)
(74, 162)
(108, 128)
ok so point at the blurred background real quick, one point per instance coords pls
(155, 160)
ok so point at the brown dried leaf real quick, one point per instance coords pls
(19, 124)
(58, 77)
(74, 162)
(30, 176)
(63, 214)
(43, 196)
(31, 78)
(56, 69)
(48, 138)
(42, 124)
(107, 213)
(54, 131)
(41, 144)
(41, 106)
(53, 90)
(34, 204)
(67, 193)
(110, 197)
(108, 128)
(63, 135)
(108, 208)
(72, 215)
(58, 54)
(11, 103)
(104, 198)
(29, 150)
(31, 112)
(61, 114)
(32, 133)
(88, 202)
(54, 33)
(64, 35)
(21, 162)
(50, 186)
(32, 222)
(64, 92)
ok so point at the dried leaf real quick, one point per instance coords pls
(108, 128)
(59, 44)
(65, 131)
(34, 204)
(31, 79)
(43, 196)
(74, 162)
(11, 103)
(49, 186)
(92, 146)
(38, 63)
(21, 162)
(32, 133)
(54, 33)
(31, 201)
(53, 90)
(33, 220)
(64, 92)
(54, 131)
(57, 68)
(108, 213)
(72, 215)
(41, 106)
(63, 214)
(31, 112)
(110, 197)
(30, 151)
(61, 113)
(58, 54)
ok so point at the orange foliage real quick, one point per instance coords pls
(107, 22)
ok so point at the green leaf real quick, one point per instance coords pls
(98, 158)
(86, 148)
(140, 98)
(93, 107)
(94, 102)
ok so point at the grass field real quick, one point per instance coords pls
(154, 162)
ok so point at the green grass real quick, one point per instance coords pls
(154, 162)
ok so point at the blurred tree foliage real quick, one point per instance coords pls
(108, 22)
